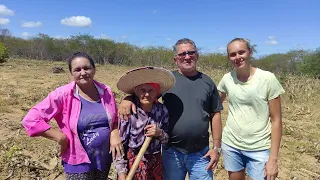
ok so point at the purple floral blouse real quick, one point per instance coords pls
(132, 132)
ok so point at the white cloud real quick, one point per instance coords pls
(78, 21)
(124, 37)
(168, 39)
(298, 46)
(221, 48)
(104, 36)
(4, 21)
(25, 35)
(60, 37)
(272, 40)
(5, 11)
(31, 24)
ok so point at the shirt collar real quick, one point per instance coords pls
(76, 90)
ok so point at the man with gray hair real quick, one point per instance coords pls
(193, 103)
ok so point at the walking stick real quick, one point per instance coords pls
(138, 158)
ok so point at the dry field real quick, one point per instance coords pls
(26, 82)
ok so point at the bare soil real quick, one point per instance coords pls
(24, 83)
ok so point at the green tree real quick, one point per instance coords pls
(311, 64)
(273, 62)
(3, 53)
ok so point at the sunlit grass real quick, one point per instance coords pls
(26, 82)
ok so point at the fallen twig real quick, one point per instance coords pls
(10, 174)
(310, 173)
(37, 167)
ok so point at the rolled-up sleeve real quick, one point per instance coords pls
(36, 120)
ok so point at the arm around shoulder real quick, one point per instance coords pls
(125, 108)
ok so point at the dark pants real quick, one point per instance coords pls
(90, 175)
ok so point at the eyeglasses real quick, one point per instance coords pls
(190, 53)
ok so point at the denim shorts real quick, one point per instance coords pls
(254, 161)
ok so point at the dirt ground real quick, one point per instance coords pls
(26, 82)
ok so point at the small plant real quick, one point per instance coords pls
(3, 53)
(12, 151)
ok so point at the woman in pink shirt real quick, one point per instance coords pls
(86, 113)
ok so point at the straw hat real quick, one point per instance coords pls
(136, 77)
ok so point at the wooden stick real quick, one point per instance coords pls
(138, 158)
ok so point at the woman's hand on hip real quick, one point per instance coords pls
(64, 144)
(57, 136)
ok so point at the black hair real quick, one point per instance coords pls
(80, 54)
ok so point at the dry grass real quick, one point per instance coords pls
(26, 82)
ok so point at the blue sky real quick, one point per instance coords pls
(275, 26)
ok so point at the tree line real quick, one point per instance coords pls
(106, 51)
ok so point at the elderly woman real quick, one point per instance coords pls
(86, 113)
(151, 120)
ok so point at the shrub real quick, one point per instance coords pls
(311, 64)
(3, 53)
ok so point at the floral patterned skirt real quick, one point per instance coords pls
(150, 168)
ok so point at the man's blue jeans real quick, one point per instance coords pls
(176, 165)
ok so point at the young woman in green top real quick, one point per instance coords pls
(251, 137)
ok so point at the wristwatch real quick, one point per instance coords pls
(218, 149)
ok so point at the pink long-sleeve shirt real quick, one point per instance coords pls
(63, 104)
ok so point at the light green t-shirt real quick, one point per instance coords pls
(248, 126)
